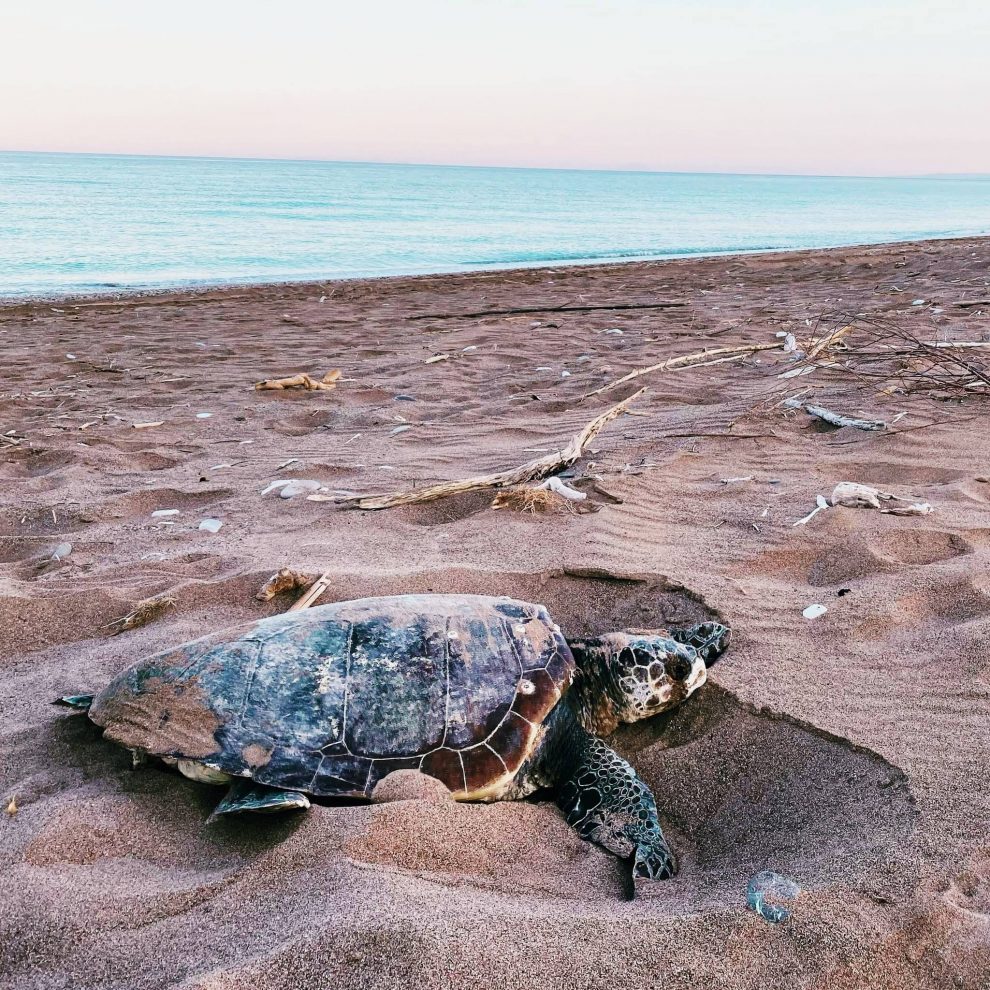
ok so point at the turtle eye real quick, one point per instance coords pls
(679, 666)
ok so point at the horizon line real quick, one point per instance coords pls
(510, 168)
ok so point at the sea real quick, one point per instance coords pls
(79, 224)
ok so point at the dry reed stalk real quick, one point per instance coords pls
(143, 613)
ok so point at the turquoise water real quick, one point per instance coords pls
(94, 223)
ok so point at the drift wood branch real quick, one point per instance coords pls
(541, 467)
(715, 355)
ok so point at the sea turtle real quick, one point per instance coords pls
(484, 694)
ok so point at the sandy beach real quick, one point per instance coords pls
(847, 752)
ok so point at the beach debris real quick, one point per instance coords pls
(284, 580)
(804, 369)
(554, 484)
(533, 499)
(541, 467)
(405, 398)
(436, 358)
(203, 415)
(61, 551)
(400, 429)
(164, 513)
(822, 504)
(732, 481)
(814, 611)
(312, 593)
(668, 304)
(211, 525)
(144, 612)
(291, 487)
(855, 496)
(766, 887)
(11, 808)
(148, 426)
(285, 464)
(834, 418)
(972, 302)
(307, 382)
(715, 355)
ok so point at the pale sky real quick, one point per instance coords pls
(826, 87)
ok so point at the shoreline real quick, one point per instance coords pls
(202, 288)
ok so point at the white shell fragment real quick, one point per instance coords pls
(203, 415)
(62, 551)
(814, 611)
(164, 513)
(822, 504)
(565, 491)
(211, 525)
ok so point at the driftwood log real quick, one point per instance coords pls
(541, 467)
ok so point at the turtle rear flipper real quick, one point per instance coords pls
(246, 795)
(78, 701)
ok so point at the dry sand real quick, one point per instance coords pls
(849, 752)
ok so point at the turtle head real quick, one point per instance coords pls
(640, 674)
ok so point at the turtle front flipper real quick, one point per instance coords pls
(604, 799)
(247, 796)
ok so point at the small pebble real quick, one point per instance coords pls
(62, 551)
(211, 525)
(405, 398)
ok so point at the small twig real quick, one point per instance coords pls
(312, 593)
(836, 419)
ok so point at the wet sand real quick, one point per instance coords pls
(849, 752)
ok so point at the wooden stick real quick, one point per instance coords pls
(687, 361)
(312, 593)
(819, 345)
(326, 383)
(545, 309)
(972, 302)
(836, 419)
(531, 470)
